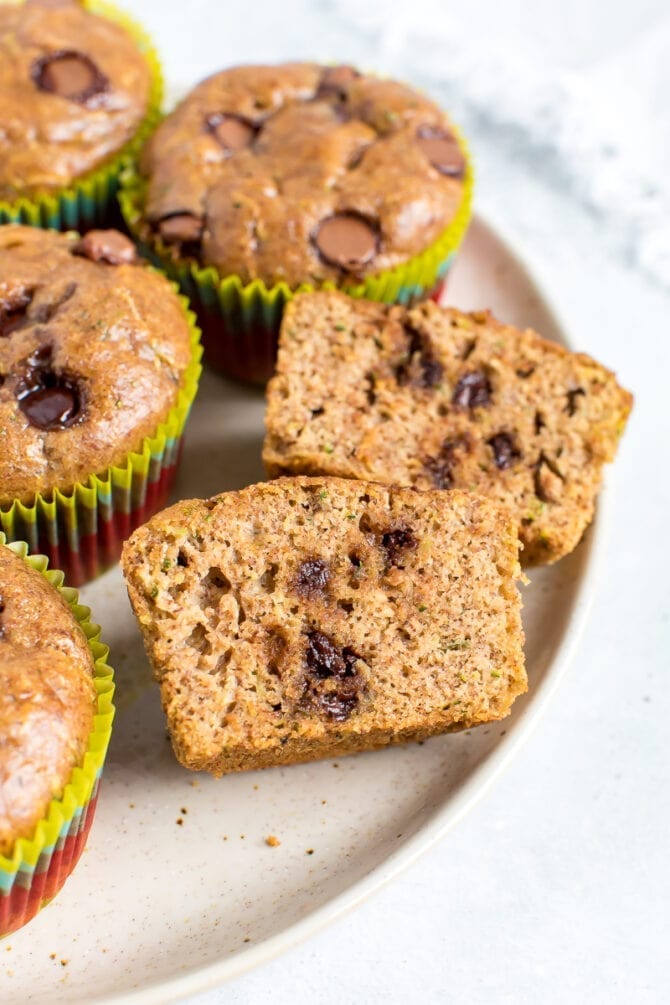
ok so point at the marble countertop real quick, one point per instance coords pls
(555, 888)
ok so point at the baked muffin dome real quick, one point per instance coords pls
(93, 352)
(301, 173)
(74, 88)
(47, 697)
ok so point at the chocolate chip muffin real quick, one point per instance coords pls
(75, 90)
(47, 697)
(97, 353)
(296, 174)
(435, 398)
(316, 617)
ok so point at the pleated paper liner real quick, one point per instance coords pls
(39, 866)
(240, 322)
(90, 201)
(81, 531)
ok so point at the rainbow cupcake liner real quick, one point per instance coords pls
(90, 201)
(240, 322)
(81, 531)
(39, 865)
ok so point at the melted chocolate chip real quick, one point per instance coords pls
(347, 241)
(473, 390)
(504, 450)
(421, 368)
(181, 228)
(49, 400)
(107, 246)
(335, 81)
(312, 577)
(233, 132)
(441, 468)
(441, 149)
(396, 542)
(572, 396)
(339, 702)
(334, 686)
(13, 312)
(71, 75)
(50, 408)
(324, 659)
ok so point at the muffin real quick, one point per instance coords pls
(269, 179)
(434, 398)
(80, 88)
(55, 722)
(98, 369)
(317, 617)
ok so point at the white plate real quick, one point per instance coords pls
(157, 910)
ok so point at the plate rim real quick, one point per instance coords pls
(443, 819)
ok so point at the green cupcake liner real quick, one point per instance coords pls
(83, 529)
(240, 322)
(89, 201)
(39, 865)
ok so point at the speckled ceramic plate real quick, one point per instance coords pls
(177, 889)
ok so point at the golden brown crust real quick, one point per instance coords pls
(435, 398)
(53, 139)
(310, 617)
(310, 150)
(115, 336)
(47, 697)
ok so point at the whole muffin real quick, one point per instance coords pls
(98, 358)
(76, 89)
(48, 704)
(299, 174)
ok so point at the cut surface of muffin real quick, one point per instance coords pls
(311, 617)
(435, 398)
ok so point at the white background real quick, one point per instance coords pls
(556, 888)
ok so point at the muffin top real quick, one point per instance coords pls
(93, 352)
(73, 90)
(47, 696)
(302, 173)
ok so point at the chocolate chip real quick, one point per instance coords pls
(420, 368)
(335, 81)
(233, 132)
(107, 246)
(396, 542)
(571, 406)
(504, 450)
(441, 468)
(334, 686)
(49, 400)
(324, 659)
(50, 408)
(442, 150)
(339, 702)
(312, 577)
(347, 241)
(473, 390)
(13, 312)
(181, 228)
(71, 75)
